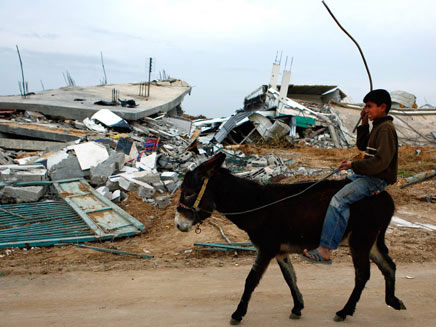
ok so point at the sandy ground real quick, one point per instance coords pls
(207, 297)
(182, 286)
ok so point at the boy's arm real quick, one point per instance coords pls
(379, 161)
(363, 132)
(362, 137)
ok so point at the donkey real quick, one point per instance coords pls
(288, 226)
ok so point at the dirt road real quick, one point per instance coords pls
(207, 297)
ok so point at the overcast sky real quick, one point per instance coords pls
(224, 49)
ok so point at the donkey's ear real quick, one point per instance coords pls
(213, 164)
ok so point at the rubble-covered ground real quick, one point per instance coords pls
(173, 249)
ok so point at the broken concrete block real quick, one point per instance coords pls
(104, 190)
(116, 196)
(147, 176)
(169, 176)
(22, 194)
(144, 190)
(4, 158)
(20, 173)
(67, 169)
(160, 187)
(112, 183)
(163, 201)
(262, 162)
(170, 185)
(126, 183)
(164, 161)
(100, 173)
(25, 160)
(127, 169)
(51, 159)
(90, 154)
(147, 162)
(185, 156)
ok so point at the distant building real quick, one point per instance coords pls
(320, 94)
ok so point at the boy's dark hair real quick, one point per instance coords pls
(379, 97)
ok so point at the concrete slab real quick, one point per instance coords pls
(25, 173)
(26, 145)
(43, 131)
(77, 102)
(22, 194)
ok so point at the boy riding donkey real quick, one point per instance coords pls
(371, 175)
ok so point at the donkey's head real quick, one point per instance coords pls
(196, 201)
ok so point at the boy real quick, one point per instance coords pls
(371, 175)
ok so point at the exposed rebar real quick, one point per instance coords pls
(24, 89)
(104, 71)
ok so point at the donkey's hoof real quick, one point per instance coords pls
(397, 304)
(234, 322)
(295, 316)
(338, 318)
(402, 306)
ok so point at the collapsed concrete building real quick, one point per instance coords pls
(321, 115)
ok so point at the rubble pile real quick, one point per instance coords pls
(270, 115)
(331, 132)
(149, 157)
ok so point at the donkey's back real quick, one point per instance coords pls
(296, 224)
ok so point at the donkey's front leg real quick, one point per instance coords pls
(291, 279)
(260, 264)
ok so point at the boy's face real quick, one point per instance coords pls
(374, 111)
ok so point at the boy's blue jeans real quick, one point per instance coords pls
(338, 212)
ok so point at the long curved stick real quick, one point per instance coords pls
(358, 47)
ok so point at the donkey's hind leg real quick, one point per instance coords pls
(379, 254)
(291, 279)
(360, 253)
(260, 264)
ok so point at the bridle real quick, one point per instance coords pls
(195, 208)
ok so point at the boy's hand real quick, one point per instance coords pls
(345, 165)
(364, 116)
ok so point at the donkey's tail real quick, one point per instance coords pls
(381, 245)
(389, 207)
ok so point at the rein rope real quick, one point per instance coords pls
(203, 188)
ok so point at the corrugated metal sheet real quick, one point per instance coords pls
(41, 223)
(230, 124)
(103, 216)
(84, 215)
